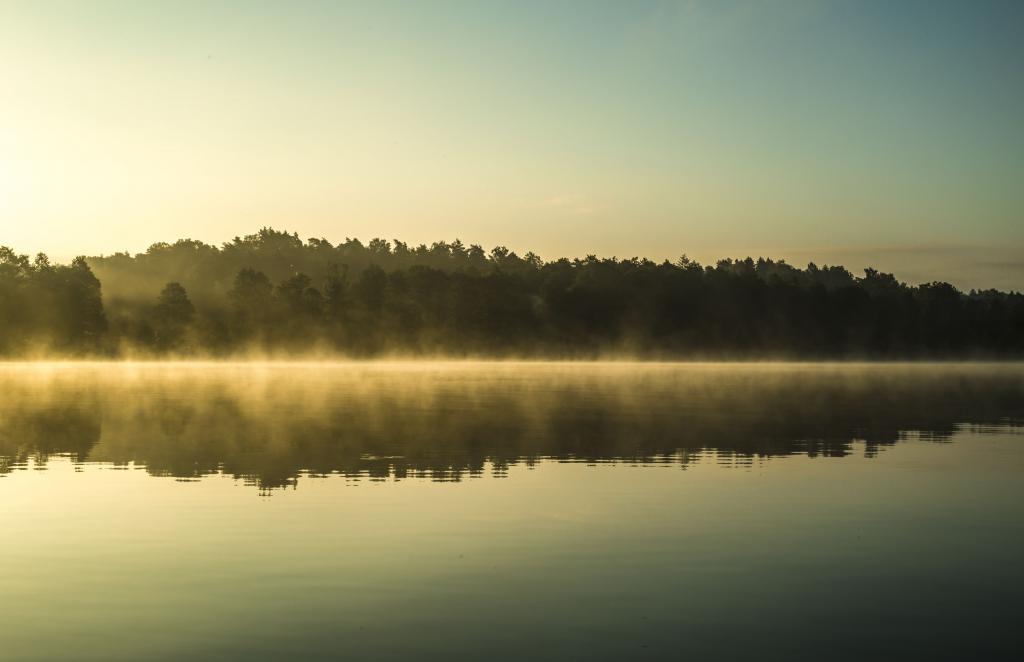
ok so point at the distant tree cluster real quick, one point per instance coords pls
(272, 292)
(57, 307)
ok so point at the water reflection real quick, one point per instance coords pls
(270, 424)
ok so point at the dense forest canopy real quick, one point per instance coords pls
(271, 292)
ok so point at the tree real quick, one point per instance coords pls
(81, 307)
(250, 298)
(172, 316)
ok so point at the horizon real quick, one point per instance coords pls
(857, 271)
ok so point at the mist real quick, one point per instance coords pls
(270, 424)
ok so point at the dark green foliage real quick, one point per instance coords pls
(49, 307)
(250, 301)
(172, 316)
(270, 291)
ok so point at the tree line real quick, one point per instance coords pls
(272, 292)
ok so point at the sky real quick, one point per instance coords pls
(886, 134)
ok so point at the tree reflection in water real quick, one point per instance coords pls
(269, 424)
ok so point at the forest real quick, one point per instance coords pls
(271, 294)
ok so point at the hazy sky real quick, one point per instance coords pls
(885, 133)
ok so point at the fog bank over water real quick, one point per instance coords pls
(270, 423)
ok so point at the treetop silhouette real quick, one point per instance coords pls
(270, 291)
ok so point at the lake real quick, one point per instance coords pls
(470, 510)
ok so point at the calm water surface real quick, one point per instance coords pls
(511, 511)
